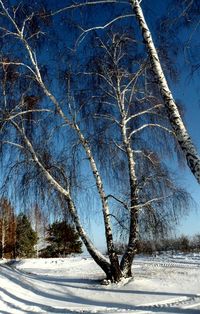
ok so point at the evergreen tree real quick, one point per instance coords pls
(63, 240)
(26, 237)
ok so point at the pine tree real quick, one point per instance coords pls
(63, 240)
(26, 237)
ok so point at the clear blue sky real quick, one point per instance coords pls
(188, 91)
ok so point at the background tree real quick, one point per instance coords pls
(26, 237)
(39, 222)
(63, 239)
(7, 229)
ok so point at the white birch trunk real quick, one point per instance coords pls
(127, 258)
(183, 138)
(116, 273)
(99, 184)
(129, 254)
(96, 255)
(115, 268)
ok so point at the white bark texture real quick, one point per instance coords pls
(96, 255)
(182, 136)
(127, 258)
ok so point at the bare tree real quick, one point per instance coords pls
(133, 122)
(34, 114)
(112, 270)
(186, 144)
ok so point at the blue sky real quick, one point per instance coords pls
(187, 91)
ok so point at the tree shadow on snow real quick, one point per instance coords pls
(32, 284)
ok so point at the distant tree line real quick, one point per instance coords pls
(183, 244)
(17, 237)
(19, 240)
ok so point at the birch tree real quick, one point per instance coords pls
(43, 120)
(23, 36)
(183, 138)
(132, 116)
(186, 144)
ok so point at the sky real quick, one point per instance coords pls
(187, 91)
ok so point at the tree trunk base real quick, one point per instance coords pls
(106, 281)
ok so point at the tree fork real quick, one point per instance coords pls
(182, 136)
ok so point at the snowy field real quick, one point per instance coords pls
(164, 284)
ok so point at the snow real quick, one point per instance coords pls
(162, 284)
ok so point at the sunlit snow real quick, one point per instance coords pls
(163, 284)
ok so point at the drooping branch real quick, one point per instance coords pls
(118, 200)
(182, 136)
(98, 257)
(72, 124)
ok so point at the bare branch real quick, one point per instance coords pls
(27, 112)
(135, 77)
(7, 32)
(149, 125)
(10, 17)
(86, 31)
(18, 64)
(118, 200)
(119, 222)
(28, 18)
(144, 112)
(145, 155)
(119, 146)
(13, 144)
(37, 161)
(36, 34)
(79, 5)
(156, 199)
(108, 117)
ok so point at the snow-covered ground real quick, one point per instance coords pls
(163, 284)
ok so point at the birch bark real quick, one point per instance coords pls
(182, 136)
(129, 254)
(96, 255)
